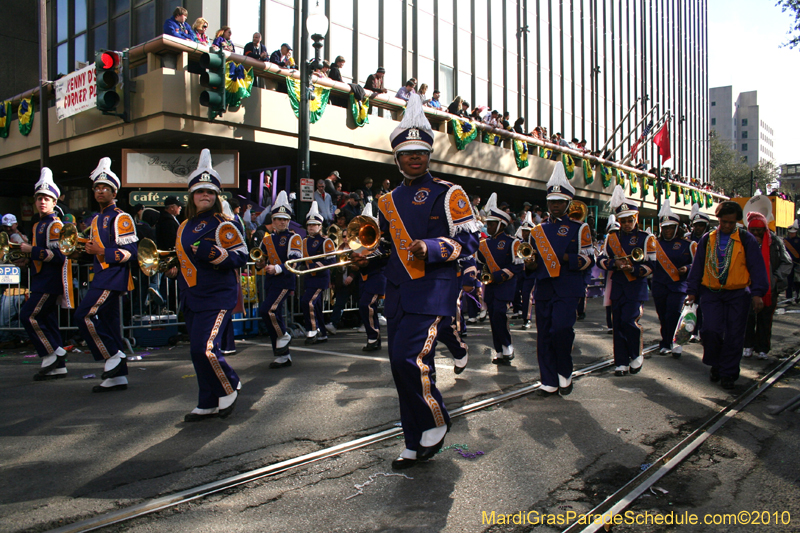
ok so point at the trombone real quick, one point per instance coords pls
(9, 251)
(72, 240)
(152, 260)
(363, 237)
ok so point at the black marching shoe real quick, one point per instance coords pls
(55, 364)
(728, 383)
(100, 388)
(225, 413)
(276, 364)
(372, 346)
(402, 463)
(197, 417)
(48, 377)
(426, 452)
(635, 370)
(620, 373)
(714, 376)
(565, 391)
(541, 393)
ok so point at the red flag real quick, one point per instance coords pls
(661, 140)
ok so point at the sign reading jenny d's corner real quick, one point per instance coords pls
(150, 169)
(76, 92)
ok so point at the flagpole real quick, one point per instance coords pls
(44, 125)
(653, 131)
(636, 127)
(619, 126)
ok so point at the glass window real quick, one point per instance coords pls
(713, 122)
(445, 84)
(62, 59)
(497, 65)
(744, 122)
(425, 70)
(511, 73)
(464, 51)
(244, 19)
(119, 7)
(464, 20)
(122, 37)
(367, 57)
(481, 19)
(446, 10)
(100, 37)
(481, 93)
(511, 25)
(481, 59)
(342, 13)
(80, 49)
(497, 99)
(393, 22)
(62, 14)
(427, 6)
(280, 27)
(497, 24)
(100, 11)
(368, 21)
(425, 34)
(744, 134)
(744, 147)
(80, 16)
(341, 43)
(445, 43)
(465, 87)
(393, 61)
(512, 107)
(145, 22)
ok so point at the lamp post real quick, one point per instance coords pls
(316, 26)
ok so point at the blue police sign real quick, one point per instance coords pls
(9, 274)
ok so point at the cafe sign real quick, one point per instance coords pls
(171, 169)
(156, 198)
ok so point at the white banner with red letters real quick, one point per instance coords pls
(76, 92)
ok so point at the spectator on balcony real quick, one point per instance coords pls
(222, 40)
(256, 48)
(176, 25)
(325, 70)
(324, 202)
(519, 125)
(422, 92)
(492, 118)
(405, 91)
(282, 57)
(455, 106)
(375, 82)
(434, 101)
(199, 28)
(506, 122)
(336, 70)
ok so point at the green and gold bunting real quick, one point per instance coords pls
(709, 200)
(605, 173)
(645, 185)
(464, 133)
(588, 174)
(5, 118)
(686, 195)
(521, 154)
(620, 177)
(569, 165)
(545, 153)
(634, 180)
(360, 110)
(238, 83)
(25, 114)
(668, 190)
(316, 106)
(492, 138)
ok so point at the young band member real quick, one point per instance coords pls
(113, 245)
(612, 226)
(453, 329)
(628, 281)
(429, 223)
(51, 282)
(278, 247)
(528, 278)
(371, 288)
(700, 223)
(316, 283)
(727, 275)
(210, 249)
(792, 243)
(498, 253)
(563, 253)
(674, 258)
(228, 340)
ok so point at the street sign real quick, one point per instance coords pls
(306, 189)
(156, 198)
(9, 274)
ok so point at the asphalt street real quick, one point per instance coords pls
(68, 454)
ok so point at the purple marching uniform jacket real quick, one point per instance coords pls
(116, 233)
(318, 245)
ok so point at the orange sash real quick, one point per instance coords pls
(188, 270)
(401, 239)
(795, 254)
(99, 242)
(272, 253)
(487, 255)
(546, 252)
(665, 262)
(616, 247)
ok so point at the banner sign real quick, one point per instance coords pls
(171, 169)
(307, 190)
(9, 274)
(156, 198)
(76, 92)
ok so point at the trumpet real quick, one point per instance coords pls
(72, 240)
(525, 251)
(152, 260)
(486, 275)
(9, 251)
(363, 237)
(636, 255)
(256, 254)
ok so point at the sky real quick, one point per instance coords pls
(744, 50)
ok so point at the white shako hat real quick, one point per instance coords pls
(204, 176)
(559, 188)
(46, 185)
(282, 209)
(696, 216)
(103, 174)
(313, 216)
(667, 216)
(621, 206)
(414, 131)
(493, 213)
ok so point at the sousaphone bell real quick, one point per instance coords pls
(152, 260)
(72, 240)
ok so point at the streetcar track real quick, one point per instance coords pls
(207, 489)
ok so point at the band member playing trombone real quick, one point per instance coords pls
(371, 289)
(527, 280)
(498, 253)
(113, 245)
(563, 254)
(51, 282)
(628, 256)
(276, 248)
(315, 282)
(674, 258)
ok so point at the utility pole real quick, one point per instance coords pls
(44, 126)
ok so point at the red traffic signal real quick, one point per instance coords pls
(109, 60)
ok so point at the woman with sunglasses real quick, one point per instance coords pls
(200, 26)
(223, 40)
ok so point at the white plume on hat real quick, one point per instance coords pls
(46, 185)
(795, 226)
(489, 206)
(281, 208)
(695, 211)
(617, 197)
(367, 212)
(314, 216)
(667, 216)
(204, 166)
(527, 224)
(413, 117)
(226, 209)
(612, 223)
(558, 184)
(104, 167)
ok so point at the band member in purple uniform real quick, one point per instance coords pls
(316, 283)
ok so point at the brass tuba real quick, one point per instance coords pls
(9, 251)
(363, 237)
(72, 240)
(152, 260)
(578, 211)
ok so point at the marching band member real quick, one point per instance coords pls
(674, 258)
(628, 282)
(51, 282)
(452, 329)
(228, 343)
(470, 295)
(792, 243)
(316, 283)
(430, 225)
(528, 279)
(371, 288)
(564, 252)
(612, 226)
(498, 253)
(728, 273)
(278, 247)
(210, 248)
(113, 245)
(700, 222)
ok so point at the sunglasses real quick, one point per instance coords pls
(411, 153)
(205, 27)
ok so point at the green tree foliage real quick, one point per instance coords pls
(793, 7)
(731, 173)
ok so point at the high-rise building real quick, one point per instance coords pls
(741, 123)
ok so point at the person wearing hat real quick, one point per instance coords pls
(50, 282)
(612, 226)
(727, 277)
(563, 253)
(11, 227)
(278, 246)
(429, 225)
(353, 206)
(113, 245)
(166, 234)
(498, 254)
(316, 282)
(371, 289)
(674, 258)
(792, 243)
(628, 281)
(282, 57)
(778, 264)
(374, 83)
(527, 280)
(210, 249)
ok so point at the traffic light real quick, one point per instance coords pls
(107, 65)
(213, 79)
